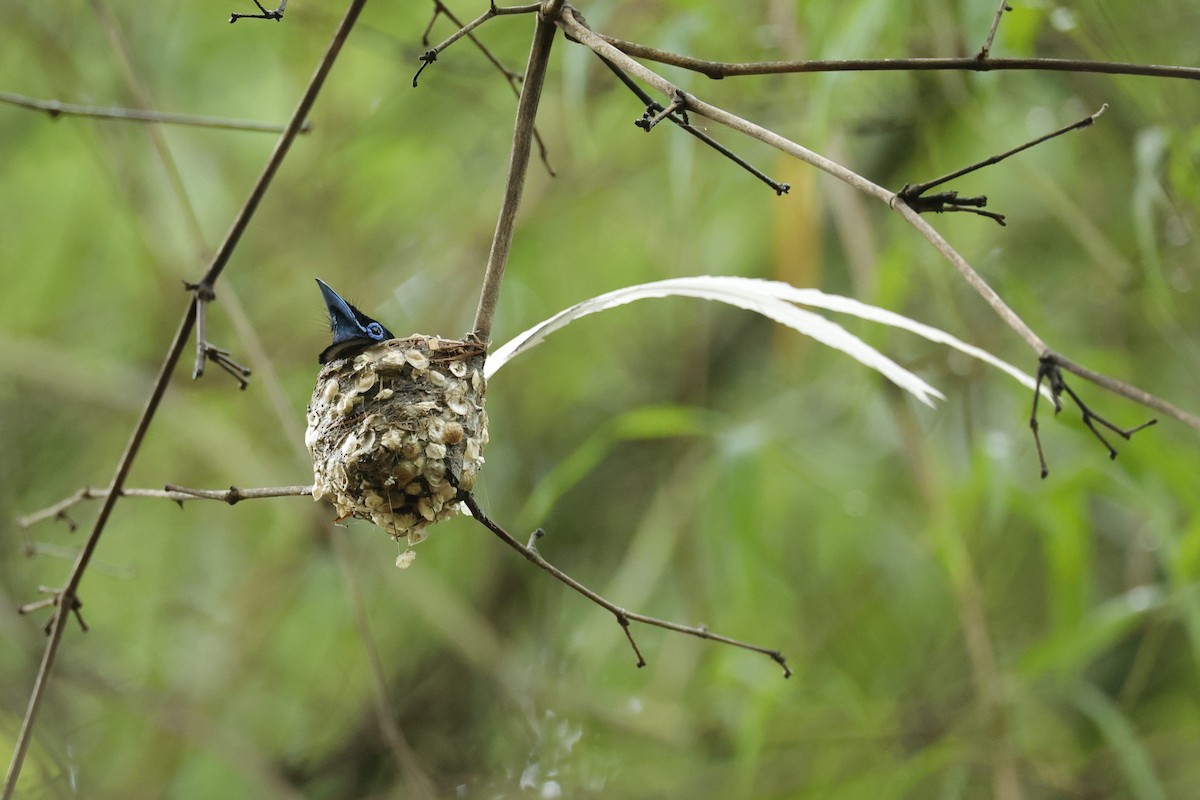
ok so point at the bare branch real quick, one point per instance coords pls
(915, 190)
(65, 600)
(177, 494)
(275, 14)
(623, 617)
(431, 55)
(729, 69)
(233, 495)
(945, 202)
(56, 109)
(1122, 389)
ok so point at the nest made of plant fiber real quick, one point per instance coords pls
(397, 430)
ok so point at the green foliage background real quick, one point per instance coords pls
(951, 619)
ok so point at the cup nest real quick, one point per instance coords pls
(397, 431)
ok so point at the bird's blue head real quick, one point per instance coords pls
(352, 329)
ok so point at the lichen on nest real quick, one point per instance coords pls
(398, 430)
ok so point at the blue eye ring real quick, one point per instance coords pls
(375, 331)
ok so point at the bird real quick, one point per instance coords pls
(353, 331)
(396, 426)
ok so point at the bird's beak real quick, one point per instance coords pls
(341, 318)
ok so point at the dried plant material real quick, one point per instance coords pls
(397, 431)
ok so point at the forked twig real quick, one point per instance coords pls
(623, 616)
(513, 78)
(653, 107)
(911, 193)
(263, 13)
(1050, 372)
(206, 350)
(431, 55)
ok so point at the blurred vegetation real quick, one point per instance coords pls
(952, 619)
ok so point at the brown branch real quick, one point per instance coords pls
(623, 616)
(1122, 389)
(518, 166)
(66, 600)
(177, 494)
(175, 179)
(730, 69)
(56, 109)
(233, 495)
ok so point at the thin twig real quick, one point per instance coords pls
(917, 189)
(234, 495)
(203, 289)
(67, 599)
(991, 37)
(518, 166)
(1050, 372)
(575, 29)
(441, 9)
(656, 113)
(171, 492)
(56, 109)
(203, 293)
(729, 69)
(623, 617)
(514, 79)
(431, 55)
(1122, 389)
(205, 350)
(653, 107)
(263, 13)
